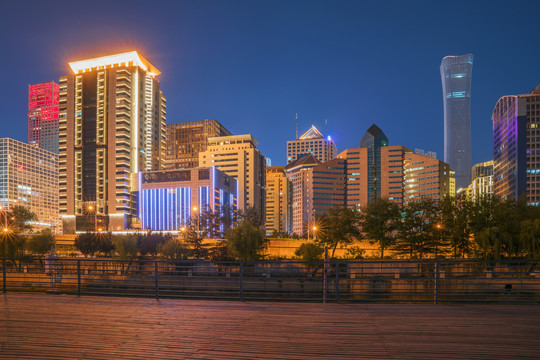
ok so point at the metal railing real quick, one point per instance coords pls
(332, 280)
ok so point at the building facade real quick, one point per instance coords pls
(112, 125)
(516, 150)
(456, 74)
(311, 142)
(374, 140)
(278, 201)
(171, 199)
(186, 140)
(482, 183)
(43, 107)
(29, 178)
(238, 156)
(425, 177)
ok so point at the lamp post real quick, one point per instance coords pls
(314, 233)
(439, 227)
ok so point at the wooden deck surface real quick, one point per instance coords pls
(40, 326)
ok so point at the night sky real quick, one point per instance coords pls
(253, 64)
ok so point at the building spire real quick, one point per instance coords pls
(296, 126)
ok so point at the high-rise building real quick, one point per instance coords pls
(424, 177)
(311, 142)
(43, 105)
(29, 178)
(316, 188)
(186, 140)
(278, 200)
(482, 183)
(373, 140)
(239, 157)
(516, 140)
(112, 125)
(456, 73)
(174, 198)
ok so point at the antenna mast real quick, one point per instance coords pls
(296, 126)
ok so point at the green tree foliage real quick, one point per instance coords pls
(310, 252)
(125, 246)
(355, 253)
(174, 249)
(252, 215)
(379, 221)
(455, 225)
(11, 245)
(41, 243)
(530, 238)
(94, 243)
(148, 244)
(19, 217)
(338, 227)
(245, 242)
(417, 234)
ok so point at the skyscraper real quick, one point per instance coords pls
(186, 140)
(373, 140)
(456, 73)
(482, 182)
(112, 125)
(238, 156)
(516, 140)
(278, 200)
(311, 142)
(43, 104)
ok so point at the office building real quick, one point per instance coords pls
(456, 73)
(424, 177)
(373, 140)
(516, 144)
(482, 183)
(112, 125)
(171, 199)
(43, 105)
(278, 201)
(29, 178)
(311, 142)
(239, 157)
(186, 140)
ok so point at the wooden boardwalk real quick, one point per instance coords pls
(40, 326)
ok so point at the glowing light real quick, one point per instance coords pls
(329, 138)
(131, 58)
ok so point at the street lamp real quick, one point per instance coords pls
(314, 233)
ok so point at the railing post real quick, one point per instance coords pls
(241, 281)
(436, 288)
(79, 277)
(325, 274)
(4, 275)
(336, 285)
(156, 278)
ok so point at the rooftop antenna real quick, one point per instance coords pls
(296, 126)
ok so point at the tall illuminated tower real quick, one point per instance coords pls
(112, 125)
(456, 73)
(43, 102)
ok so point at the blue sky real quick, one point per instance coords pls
(253, 64)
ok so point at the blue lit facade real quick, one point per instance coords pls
(456, 73)
(167, 198)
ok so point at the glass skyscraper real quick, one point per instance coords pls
(456, 72)
(374, 139)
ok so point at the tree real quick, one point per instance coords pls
(338, 227)
(417, 231)
(379, 221)
(245, 242)
(149, 243)
(310, 252)
(455, 225)
(173, 249)
(41, 243)
(12, 245)
(125, 246)
(19, 217)
(93, 243)
(199, 249)
(530, 238)
(252, 215)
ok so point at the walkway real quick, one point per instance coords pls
(40, 326)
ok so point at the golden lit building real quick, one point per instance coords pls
(111, 126)
(482, 184)
(311, 142)
(238, 156)
(425, 177)
(186, 140)
(278, 200)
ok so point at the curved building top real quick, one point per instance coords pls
(130, 58)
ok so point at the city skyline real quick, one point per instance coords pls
(254, 64)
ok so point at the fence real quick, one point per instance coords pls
(332, 281)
